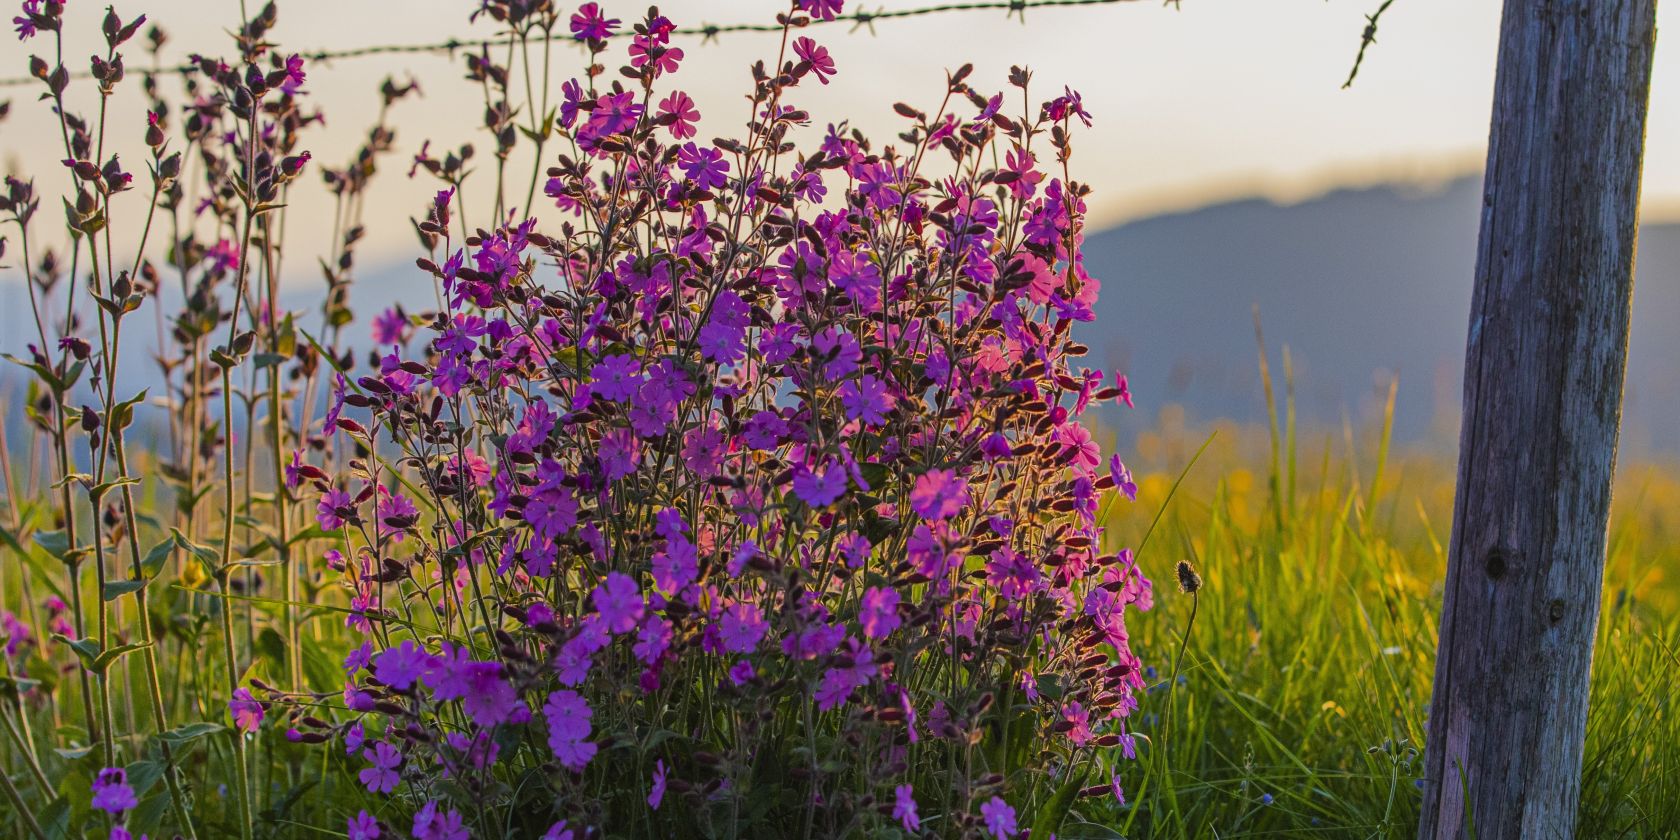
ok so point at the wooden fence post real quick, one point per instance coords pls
(1542, 404)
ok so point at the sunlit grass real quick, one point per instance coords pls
(1304, 690)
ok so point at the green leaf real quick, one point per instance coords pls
(313, 532)
(55, 819)
(143, 775)
(73, 753)
(98, 491)
(272, 646)
(191, 732)
(13, 686)
(115, 589)
(55, 542)
(122, 414)
(251, 562)
(1050, 817)
(104, 660)
(145, 819)
(73, 374)
(46, 375)
(86, 649)
(202, 552)
(154, 559)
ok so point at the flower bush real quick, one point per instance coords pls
(751, 482)
(738, 491)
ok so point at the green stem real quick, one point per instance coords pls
(29, 820)
(29, 758)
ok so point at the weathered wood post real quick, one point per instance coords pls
(1542, 403)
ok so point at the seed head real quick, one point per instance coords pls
(1188, 580)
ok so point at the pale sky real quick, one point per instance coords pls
(1221, 99)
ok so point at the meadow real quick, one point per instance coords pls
(1301, 699)
(1301, 691)
(749, 486)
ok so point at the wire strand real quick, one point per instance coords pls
(708, 33)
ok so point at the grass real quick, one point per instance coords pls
(1301, 703)
(1298, 709)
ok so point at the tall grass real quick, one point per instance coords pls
(1301, 702)
(1299, 709)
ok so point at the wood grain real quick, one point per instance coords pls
(1542, 404)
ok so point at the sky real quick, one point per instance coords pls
(1216, 99)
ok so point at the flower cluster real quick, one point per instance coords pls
(747, 477)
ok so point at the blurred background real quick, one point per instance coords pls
(1232, 171)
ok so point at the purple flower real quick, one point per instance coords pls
(401, 667)
(838, 683)
(653, 638)
(999, 817)
(294, 470)
(1079, 448)
(294, 75)
(353, 738)
(614, 113)
(839, 350)
(678, 114)
(382, 777)
(363, 827)
(111, 791)
(996, 447)
(741, 673)
(618, 600)
(939, 494)
(677, 566)
(866, 399)
(335, 506)
(431, 824)
(817, 56)
(396, 511)
(619, 453)
(819, 489)
(1122, 478)
(568, 728)
(703, 165)
(488, 699)
(25, 22)
(742, 627)
(879, 612)
(822, 9)
(247, 712)
(764, 430)
(645, 50)
(615, 378)
(657, 794)
(390, 327)
(591, 24)
(904, 808)
(552, 513)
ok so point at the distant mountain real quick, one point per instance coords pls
(1359, 284)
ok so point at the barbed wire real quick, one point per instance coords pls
(708, 33)
(1366, 39)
